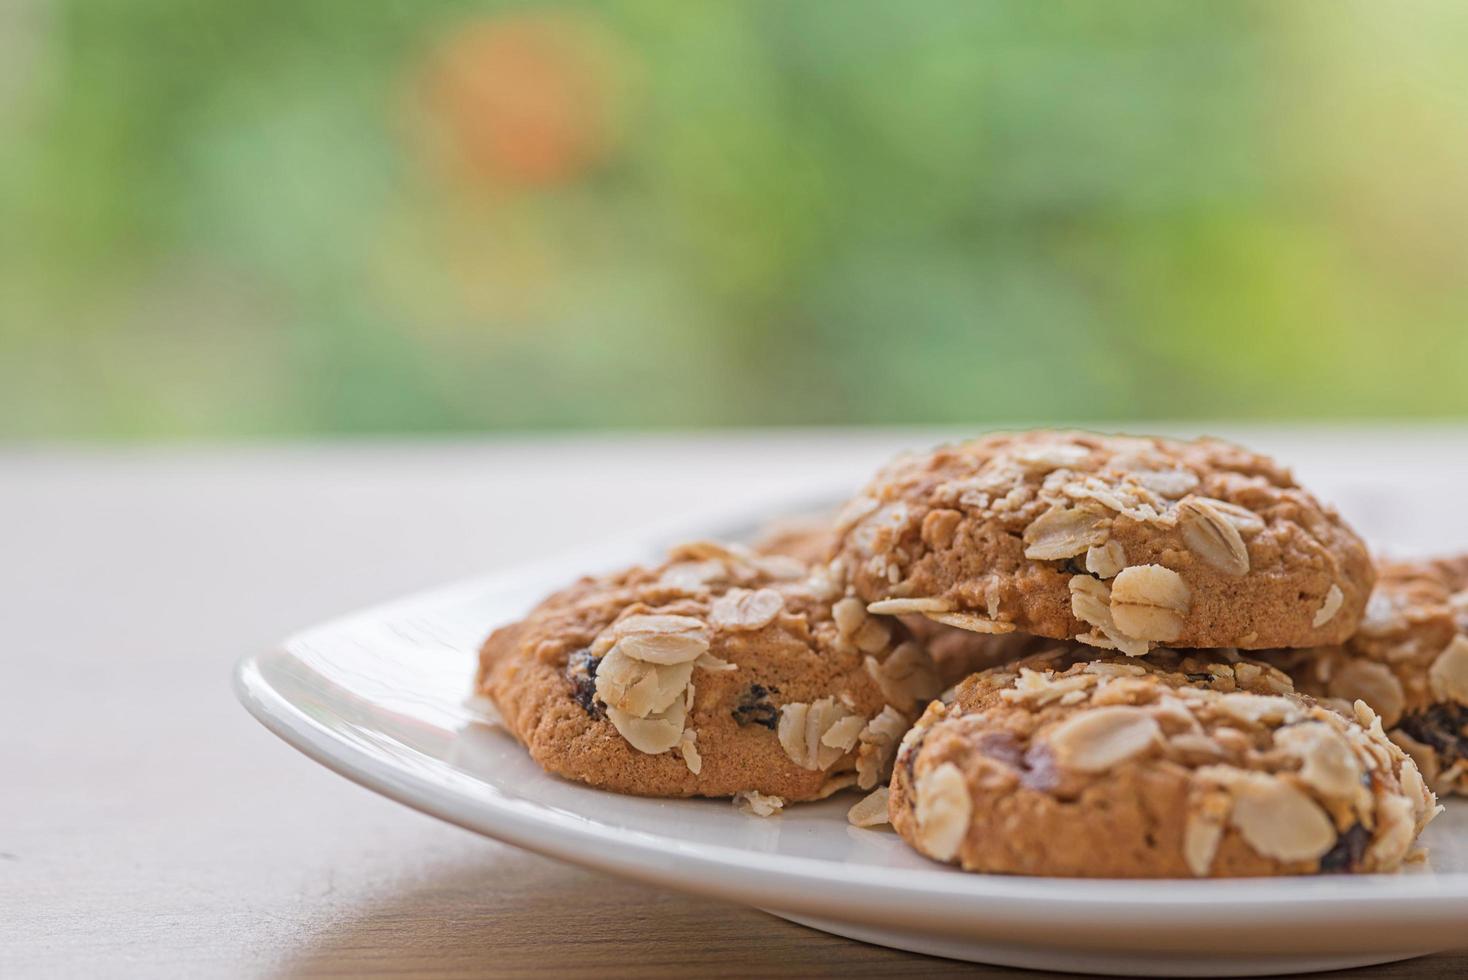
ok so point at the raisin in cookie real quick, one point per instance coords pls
(1118, 542)
(1169, 767)
(1409, 662)
(718, 673)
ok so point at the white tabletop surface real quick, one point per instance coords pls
(149, 827)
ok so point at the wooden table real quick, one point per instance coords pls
(149, 827)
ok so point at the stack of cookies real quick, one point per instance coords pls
(1048, 653)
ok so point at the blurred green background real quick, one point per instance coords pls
(285, 217)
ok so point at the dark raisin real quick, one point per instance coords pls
(581, 672)
(1442, 727)
(1347, 853)
(1039, 771)
(1076, 565)
(755, 708)
(1001, 747)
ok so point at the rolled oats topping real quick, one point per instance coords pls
(972, 622)
(1000, 526)
(1245, 520)
(1172, 484)
(656, 639)
(815, 735)
(826, 583)
(1150, 602)
(1372, 682)
(688, 746)
(1448, 675)
(637, 687)
(1327, 763)
(1090, 602)
(1096, 740)
(1278, 820)
(1203, 831)
(1422, 755)
(942, 811)
(1259, 710)
(850, 614)
(1177, 765)
(878, 742)
(1043, 458)
(1066, 531)
(693, 578)
(1330, 606)
(842, 734)
(654, 733)
(743, 609)
(898, 607)
(1042, 687)
(1106, 560)
(1213, 537)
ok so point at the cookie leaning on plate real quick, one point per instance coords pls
(1118, 542)
(718, 673)
(1167, 767)
(1409, 662)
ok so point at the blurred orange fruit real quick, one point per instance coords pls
(524, 98)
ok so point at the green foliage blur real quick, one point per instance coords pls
(325, 216)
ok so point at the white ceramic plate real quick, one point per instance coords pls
(378, 697)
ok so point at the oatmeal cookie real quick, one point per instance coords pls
(720, 672)
(1118, 542)
(1409, 662)
(1176, 766)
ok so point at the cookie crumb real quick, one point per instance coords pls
(870, 810)
(757, 803)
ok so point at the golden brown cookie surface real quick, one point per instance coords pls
(1167, 767)
(1119, 542)
(806, 539)
(717, 673)
(1409, 662)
